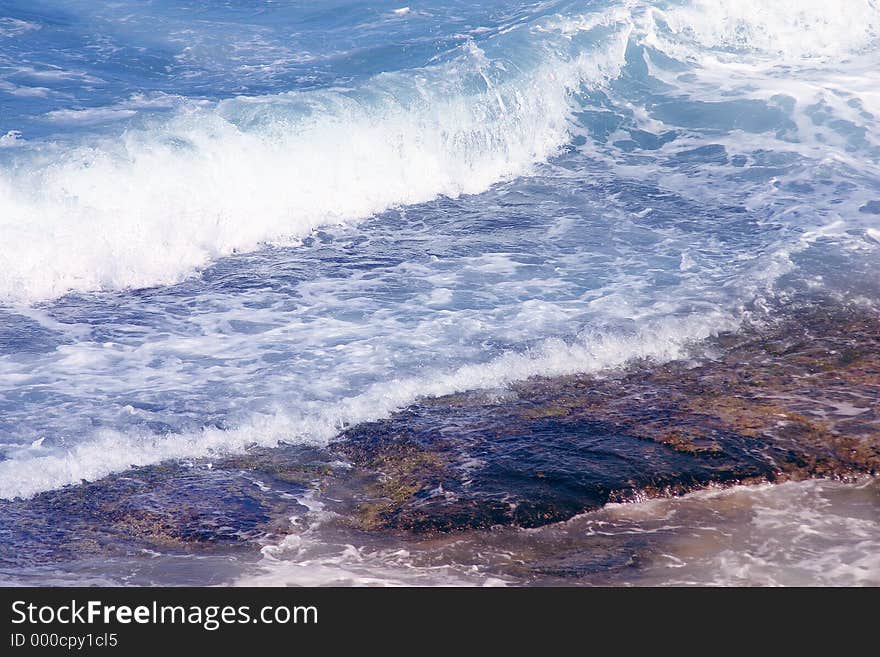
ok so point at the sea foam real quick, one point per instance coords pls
(31, 470)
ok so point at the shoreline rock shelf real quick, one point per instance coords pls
(794, 400)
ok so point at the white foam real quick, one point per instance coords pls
(812, 533)
(11, 139)
(30, 471)
(13, 27)
(23, 91)
(791, 29)
(311, 556)
(89, 116)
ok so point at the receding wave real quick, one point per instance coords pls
(35, 469)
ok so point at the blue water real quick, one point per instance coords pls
(235, 223)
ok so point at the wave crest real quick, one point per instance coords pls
(160, 202)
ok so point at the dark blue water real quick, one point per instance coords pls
(234, 223)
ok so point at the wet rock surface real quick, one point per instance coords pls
(797, 399)
(522, 470)
(171, 507)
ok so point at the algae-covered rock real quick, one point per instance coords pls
(799, 398)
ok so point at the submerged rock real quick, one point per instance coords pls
(170, 507)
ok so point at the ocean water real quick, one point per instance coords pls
(228, 224)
